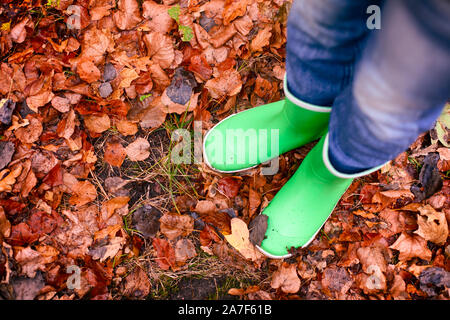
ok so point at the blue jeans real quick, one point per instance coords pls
(386, 86)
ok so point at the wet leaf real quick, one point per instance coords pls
(432, 225)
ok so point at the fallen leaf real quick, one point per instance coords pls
(239, 239)
(229, 83)
(160, 48)
(88, 71)
(114, 154)
(165, 254)
(138, 150)
(261, 39)
(229, 186)
(31, 132)
(137, 284)
(184, 250)
(128, 15)
(174, 225)
(97, 124)
(8, 178)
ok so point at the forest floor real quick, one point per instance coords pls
(92, 205)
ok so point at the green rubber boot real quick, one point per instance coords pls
(248, 138)
(299, 210)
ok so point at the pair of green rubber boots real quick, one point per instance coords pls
(258, 135)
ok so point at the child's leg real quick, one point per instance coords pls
(401, 84)
(324, 38)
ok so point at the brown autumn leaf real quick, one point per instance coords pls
(229, 83)
(396, 222)
(158, 18)
(61, 104)
(137, 284)
(83, 192)
(97, 123)
(88, 71)
(153, 116)
(165, 254)
(160, 48)
(66, 126)
(114, 154)
(209, 213)
(33, 260)
(229, 186)
(138, 150)
(128, 15)
(5, 225)
(106, 244)
(174, 225)
(31, 132)
(127, 76)
(8, 178)
(261, 39)
(286, 278)
(94, 44)
(184, 250)
(411, 246)
(432, 225)
(125, 127)
(239, 239)
(374, 264)
(254, 200)
(114, 204)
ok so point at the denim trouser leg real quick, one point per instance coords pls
(386, 86)
(400, 86)
(324, 38)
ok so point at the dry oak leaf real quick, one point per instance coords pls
(97, 124)
(66, 127)
(286, 278)
(174, 225)
(411, 246)
(128, 15)
(432, 225)
(239, 239)
(228, 83)
(18, 33)
(61, 104)
(154, 116)
(138, 150)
